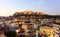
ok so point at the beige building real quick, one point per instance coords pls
(47, 31)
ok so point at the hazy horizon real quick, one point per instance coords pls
(9, 7)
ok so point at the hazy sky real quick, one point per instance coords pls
(8, 7)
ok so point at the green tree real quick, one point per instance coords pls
(10, 34)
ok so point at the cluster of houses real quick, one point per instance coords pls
(27, 20)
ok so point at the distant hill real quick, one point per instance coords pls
(52, 16)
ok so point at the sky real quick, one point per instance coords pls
(9, 7)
